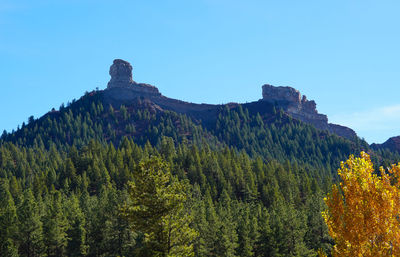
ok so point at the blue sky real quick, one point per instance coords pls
(343, 54)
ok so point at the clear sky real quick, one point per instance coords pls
(344, 54)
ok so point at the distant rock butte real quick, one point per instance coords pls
(122, 88)
(121, 77)
(297, 106)
(121, 74)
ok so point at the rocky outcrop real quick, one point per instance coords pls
(122, 89)
(297, 106)
(281, 94)
(121, 77)
(292, 102)
(393, 144)
(121, 74)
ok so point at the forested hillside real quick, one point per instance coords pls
(251, 183)
(268, 133)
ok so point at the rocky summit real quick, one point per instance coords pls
(121, 78)
(297, 106)
(121, 74)
(122, 89)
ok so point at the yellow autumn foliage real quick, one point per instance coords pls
(363, 212)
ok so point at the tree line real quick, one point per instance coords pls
(71, 203)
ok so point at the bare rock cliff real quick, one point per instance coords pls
(121, 77)
(122, 89)
(297, 106)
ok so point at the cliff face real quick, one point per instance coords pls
(121, 77)
(122, 89)
(297, 106)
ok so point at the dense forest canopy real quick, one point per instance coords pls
(248, 183)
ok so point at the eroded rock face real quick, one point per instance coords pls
(121, 74)
(290, 100)
(121, 78)
(121, 88)
(280, 94)
(296, 105)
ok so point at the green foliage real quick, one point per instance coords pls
(156, 209)
(8, 221)
(69, 202)
(76, 245)
(30, 236)
(54, 226)
(246, 183)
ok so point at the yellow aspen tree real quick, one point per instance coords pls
(363, 212)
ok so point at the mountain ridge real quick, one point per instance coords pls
(393, 144)
(122, 89)
(124, 93)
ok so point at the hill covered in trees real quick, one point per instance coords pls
(251, 177)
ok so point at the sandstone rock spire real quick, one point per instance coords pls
(121, 74)
(122, 84)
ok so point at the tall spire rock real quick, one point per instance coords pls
(121, 78)
(121, 74)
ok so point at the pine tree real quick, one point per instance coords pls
(8, 220)
(288, 225)
(227, 235)
(200, 222)
(118, 236)
(30, 239)
(265, 244)
(317, 235)
(156, 209)
(76, 232)
(245, 247)
(55, 225)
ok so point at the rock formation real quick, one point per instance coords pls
(121, 78)
(297, 106)
(281, 94)
(121, 74)
(122, 89)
